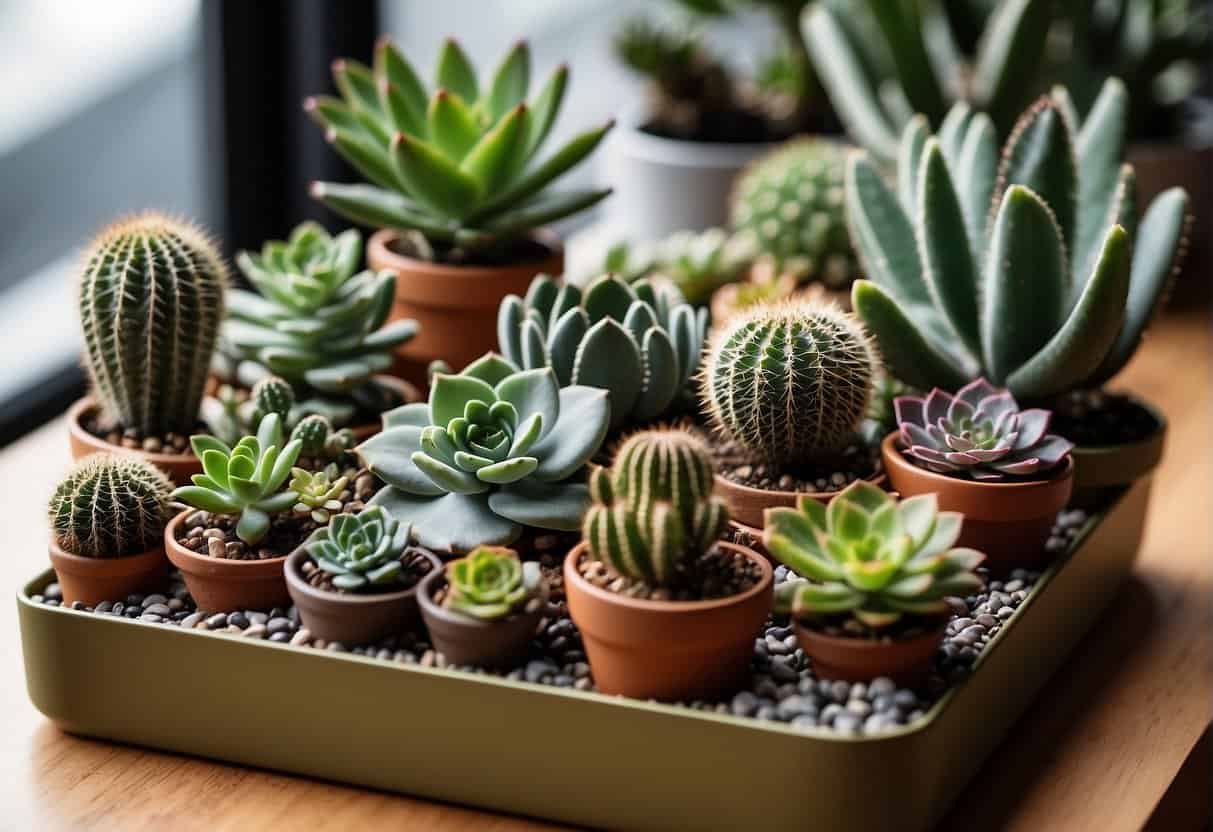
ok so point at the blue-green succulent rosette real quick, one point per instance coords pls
(494, 450)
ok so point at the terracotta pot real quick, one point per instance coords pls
(904, 661)
(1100, 469)
(668, 650)
(179, 467)
(1008, 521)
(93, 580)
(463, 640)
(746, 504)
(225, 585)
(455, 305)
(351, 618)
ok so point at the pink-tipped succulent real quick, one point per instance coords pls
(980, 432)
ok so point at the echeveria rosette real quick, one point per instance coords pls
(493, 450)
(980, 433)
(871, 556)
(360, 550)
(491, 583)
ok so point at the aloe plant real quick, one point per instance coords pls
(491, 583)
(495, 449)
(460, 164)
(1020, 268)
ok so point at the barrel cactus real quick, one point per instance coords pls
(641, 342)
(790, 381)
(491, 583)
(313, 433)
(271, 395)
(151, 300)
(360, 551)
(109, 506)
(653, 511)
(789, 205)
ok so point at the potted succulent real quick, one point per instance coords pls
(988, 460)
(317, 325)
(877, 573)
(355, 580)
(456, 188)
(666, 609)
(641, 342)
(151, 299)
(485, 608)
(697, 262)
(107, 519)
(785, 388)
(494, 450)
(1052, 292)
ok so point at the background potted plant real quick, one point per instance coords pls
(456, 188)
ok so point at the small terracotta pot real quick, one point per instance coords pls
(668, 650)
(351, 618)
(93, 580)
(463, 640)
(178, 467)
(455, 305)
(1099, 469)
(746, 504)
(226, 585)
(904, 661)
(1008, 521)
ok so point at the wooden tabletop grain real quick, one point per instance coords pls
(1106, 740)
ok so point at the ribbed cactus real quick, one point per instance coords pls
(272, 395)
(789, 381)
(109, 506)
(151, 299)
(653, 510)
(313, 431)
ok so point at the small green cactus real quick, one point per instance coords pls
(313, 433)
(360, 551)
(151, 299)
(272, 395)
(790, 381)
(491, 583)
(653, 511)
(109, 506)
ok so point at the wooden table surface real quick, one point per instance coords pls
(1099, 750)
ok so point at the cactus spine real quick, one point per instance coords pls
(272, 395)
(790, 381)
(653, 510)
(313, 431)
(151, 299)
(109, 506)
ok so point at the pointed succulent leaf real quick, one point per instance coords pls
(949, 269)
(609, 358)
(661, 378)
(571, 153)
(494, 160)
(585, 420)
(510, 82)
(432, 178)
(1011, 50)
(530, 392)
(389, 456)
(450, 394)
(1100, 148)
(452, 125)
(1040, 156)
(909, 154)
(393, 68)
(545, 107)
(977, 173)
(456, 73)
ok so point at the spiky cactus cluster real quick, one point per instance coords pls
(790, 205)
(789, 381)
(653, 510)
(109, 506)
(151, 299)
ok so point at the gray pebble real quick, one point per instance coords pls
(847, 723)
(874, 724)
(281, 637)
(237, 619)
(744, 703)
(278, 625)
(882, 686)
(104, 606)
(217, 621)
(152, 599)
(795, 705)
(255, 617)
(191, 620)
(859, 691)
(767, 712)
(537, 669)
(859, 707)
(161, 610)
(151, 618)
(781, 671)
(1006, 612)
(906, 699)
(986, 620)
(804, 721)
(829, 713)
(255, 631)
(302, 636)
(840, 691)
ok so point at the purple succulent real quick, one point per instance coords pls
(980, 432)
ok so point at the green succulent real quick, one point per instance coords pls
(868, 555)
(360, 551)
(696, 262)
(109, 506)
(272, 394)
(245, 480)
(460, 165)
(494, 449)
(640, 342)
(316, 493)
(1050, 293)
(491, 583)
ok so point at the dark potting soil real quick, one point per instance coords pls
(1094, 418)
(416, 565)
(507, 253)
(730, 127)
(169, 443)
(737, 465)
(719, 573)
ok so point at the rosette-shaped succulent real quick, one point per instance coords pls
(494, 449)
(316, 493)
(980, 432)
(871, 556)
(640, 342)
(360, 551)
(491, 583)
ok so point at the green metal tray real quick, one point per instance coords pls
(569, 756)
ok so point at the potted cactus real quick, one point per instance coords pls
(495, 450)
(1052, 292)
(666, 609)
(786, 387)
(987, 459)
(151, 299)
(107, 519)
(456, 188)
(355, 580)
(640, 342)
(875, 573)
(485, 608)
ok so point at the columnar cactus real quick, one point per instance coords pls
(653, 510)
(789, 381)
(109, 506)
(151, 300)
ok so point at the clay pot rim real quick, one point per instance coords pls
(91, 564)
(378, 248)
(292, 567)
(866, 645)
(892, 454)
(879, 479)
(430, 584)
(176, 551)
(1160, 429)
(85, 405)
(767, 579)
